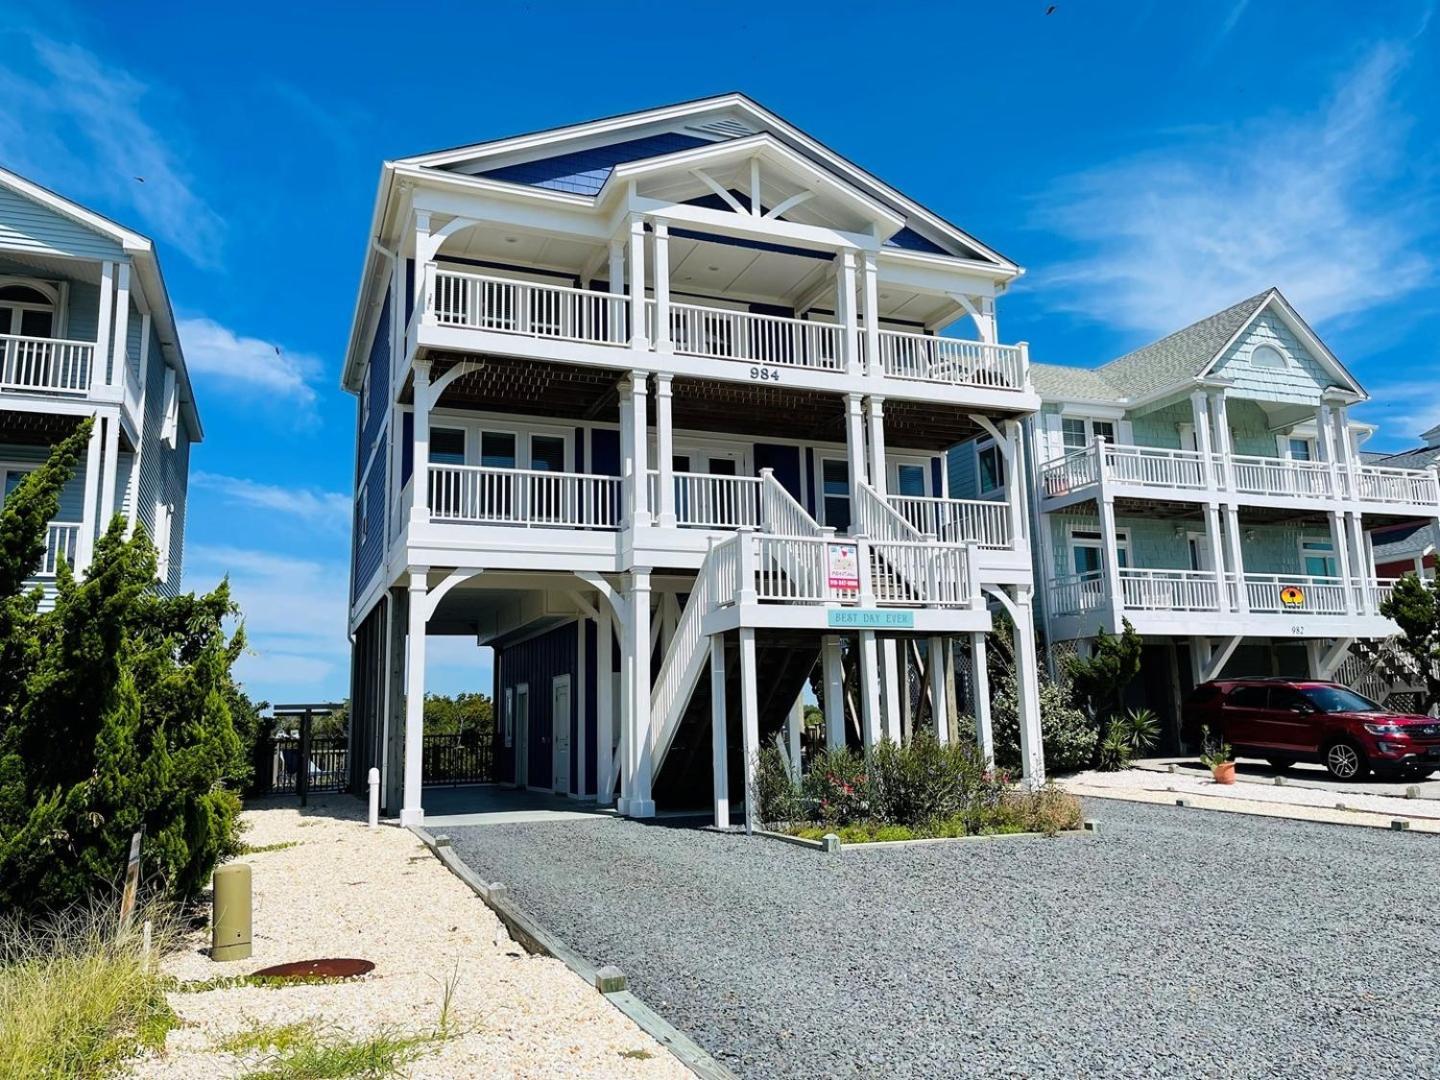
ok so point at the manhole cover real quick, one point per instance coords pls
(334, 968)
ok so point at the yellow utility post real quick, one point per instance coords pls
(230, 925)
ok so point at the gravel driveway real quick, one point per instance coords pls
(1176, 943)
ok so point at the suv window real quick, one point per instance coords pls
(1283, 697)
(1248, 697)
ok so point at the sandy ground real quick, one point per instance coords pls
(345, 890)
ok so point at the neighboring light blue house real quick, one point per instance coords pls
(86, 330)
(1208, 488)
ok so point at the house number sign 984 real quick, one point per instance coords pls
(765, 374)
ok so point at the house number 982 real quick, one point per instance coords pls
(765, 374)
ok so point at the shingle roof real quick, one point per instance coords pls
(1421, 458)
(1062, 381)
(1402, 543)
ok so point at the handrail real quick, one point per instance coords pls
(954, 361)
(711, 501)
(781, 512)
(510, 306)
(62, 539)
(985, 521)
(57, 365)
(726, 334)
(528, 497)
(879, 520)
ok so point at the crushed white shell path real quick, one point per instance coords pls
(378, 894)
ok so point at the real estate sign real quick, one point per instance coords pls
(842, 566)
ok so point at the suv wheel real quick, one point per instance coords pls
(1346, 761)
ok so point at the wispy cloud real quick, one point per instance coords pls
(327, 509)
(1322, 205)
(83, 126)
(216, 352)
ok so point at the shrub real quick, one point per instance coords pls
(922, 782)
(775, 790)
(1126, 737)
(837, 788)
(1069, 735)
(1047, 810)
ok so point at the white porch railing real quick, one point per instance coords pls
(1377, 483)
(1076, 594)
(1169, 590)
(706, 501)
(953, 361)
(1073, 472)
(1276, 593)
(1281, 476)
(789, 569)
(1150, 466)
(50, 364)
(62, 539)
(921, 572)
(507, 306)
(1151, 589)
(781, 513)
(958, 521)
(529, 497)
(720, 334)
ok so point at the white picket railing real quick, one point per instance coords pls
(878, 519)
(1147, 589)
(921, 572)
(1169, 590)
(1299, 593)
(1076, 594)
(62, 539)
(958, 521)
(530, 497)
(789, 569)
(781, 513)
(51, 364)
(706, 501)
(1076, 470)
(1282, 476)
(1380, 590)
(1150, 466)
(479, 302)
(762, 339)
(1378, 483)
(950, 360)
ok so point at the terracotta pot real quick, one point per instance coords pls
(1224, 774)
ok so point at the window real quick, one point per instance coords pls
(362, 516)
(1248, 697)
(1338, 699)
(1087, 547)
(365, 398)
(26, 310)
(1318, 558)
(497, 449)
(547, 453)
(170, 427)
(910, 480)
(447, 446)
(1300, 449)
(990, 468)
(1266, 356)
(10, 477)
(1078, 431)
(835, 490)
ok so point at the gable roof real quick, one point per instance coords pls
(1071, 383)
(1403, 543)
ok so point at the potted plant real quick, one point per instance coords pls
(1218, 756)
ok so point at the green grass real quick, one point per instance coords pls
(283, 845)
(303, 1051)
(871, 833)
(637, 1055)
(75, 999)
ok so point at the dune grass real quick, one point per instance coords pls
(76, 998)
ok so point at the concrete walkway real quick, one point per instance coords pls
(489, 804)
(1302, 774)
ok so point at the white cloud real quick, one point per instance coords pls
(81, 126)
(330, 509)
(216, 352)
(1321, 205)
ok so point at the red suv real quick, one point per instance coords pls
(1290, 720)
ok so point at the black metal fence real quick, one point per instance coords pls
(281, 763)
(465, 758)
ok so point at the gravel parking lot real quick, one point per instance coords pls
(1176, 943)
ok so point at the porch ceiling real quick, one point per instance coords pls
(531, 386)
(1181, 510)
(36, 428)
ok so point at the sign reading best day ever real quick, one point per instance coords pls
(869, 619)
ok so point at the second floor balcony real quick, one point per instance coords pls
(1146, 472)
(45, 365)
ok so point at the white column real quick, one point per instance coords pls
(99, 372)
(1231, 517)
(109, 471)
(935, 668)
(639, 456)
(604, 707)
(793, 723)
(424, 284)
(664, 449)
(411, 812)
(1027, 678)
(641, 804)
(1016, 483)
(845, 310)
(1340, 543)
(719, 732)
(855, 453)
(638, 339)
(582, 689)
(1110, 552)
(122, 325)
(1344, 449)
(875, 408)
(871, 300)
(834, 673)
(890, 687)
(617, 266)
(1200, 416)
(420, 458)
(1217, 555)
(749, 725)
(1362, 570)
(1224, 445)
(980, 686)
(90, 518)
(869, 689)
(662, 287)
(1324, 433)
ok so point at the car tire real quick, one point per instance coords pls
(1346, 761)
(1280, 764)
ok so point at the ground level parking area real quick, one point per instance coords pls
(1175, 943)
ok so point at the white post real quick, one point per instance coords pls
(1200, 416)
(1027, 677)
(855, 453)
(1110, 551)
(980, 686)
(109, 468)
(604, 707)
(871, 301)
(89, 523)
(121, 351)
(793, 723)
(1344, 449)
(719, 733)
(420, 458)
(935, 667)
(411, 812)
(1361, 566)
(875, 407)
(373, 779)
(582, 689)
(617, 266)
(638, 338)
(1220, 421)
(845, 310)
(662, 287)
(890, 687)
(1340, 544)
(1017, 484)
(641, 804)
(1231, 516)
(869, 688)
(664, 449)
(749, 724)
(99, 372)
(834, 672)
(639, 452)
(1217, 555)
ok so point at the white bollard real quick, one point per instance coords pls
(374, 798)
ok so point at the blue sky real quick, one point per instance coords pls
(1148, 163)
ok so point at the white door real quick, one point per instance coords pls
(522, 735)
(560, 730)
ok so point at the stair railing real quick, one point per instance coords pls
(781, 513)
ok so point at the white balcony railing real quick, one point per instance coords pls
(953, 361)
(502, 305)
(529, 497)
(958, 521)
(705, 501)
(62, 540)
(719, 334)
(1150, 589)
(1169, 590)
(1189, 471)
(50, 364)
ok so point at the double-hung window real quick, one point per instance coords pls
(990, 468)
